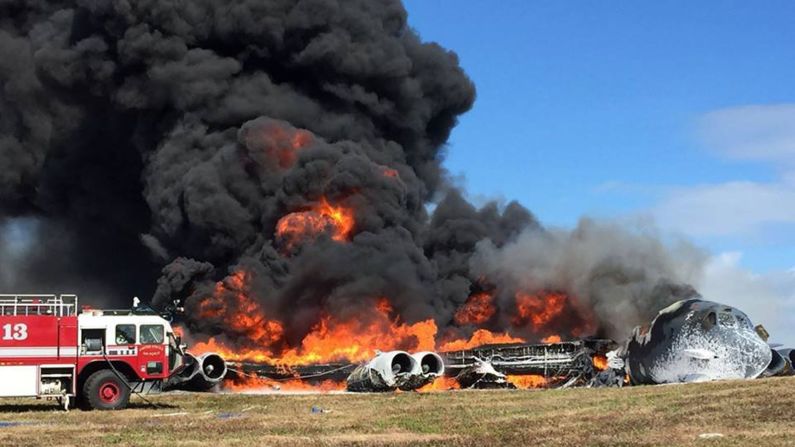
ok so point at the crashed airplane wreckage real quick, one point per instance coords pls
(695, 340)
(561, 364)
(691, 340)
(387, 371)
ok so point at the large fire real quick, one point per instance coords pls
(330, 340)
(242, 315)
(253, 336)
(336, 221)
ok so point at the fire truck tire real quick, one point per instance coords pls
(104, 390)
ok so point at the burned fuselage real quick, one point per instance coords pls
(696, 340)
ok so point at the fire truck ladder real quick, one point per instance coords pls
(25, 305)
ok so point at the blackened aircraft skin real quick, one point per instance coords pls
(696, 340)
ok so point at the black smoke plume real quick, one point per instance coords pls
(165, 139)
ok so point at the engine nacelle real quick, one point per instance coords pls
(429, 366)
(200, 373)
(429, 363)
(386, 372)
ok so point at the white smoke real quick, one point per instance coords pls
(768, 299)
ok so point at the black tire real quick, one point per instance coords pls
(104, 390)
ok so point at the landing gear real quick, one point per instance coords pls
(104, 390)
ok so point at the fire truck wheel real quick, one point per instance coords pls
(103, 390)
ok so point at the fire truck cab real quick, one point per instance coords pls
(96, 358)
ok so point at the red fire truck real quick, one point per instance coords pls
(96, 358)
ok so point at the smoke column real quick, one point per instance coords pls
(157, 147)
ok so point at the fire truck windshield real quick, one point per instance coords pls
(152, 334)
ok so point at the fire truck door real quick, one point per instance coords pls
(67, 340)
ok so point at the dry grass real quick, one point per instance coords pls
(747, 413)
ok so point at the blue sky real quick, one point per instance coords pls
(610, 111)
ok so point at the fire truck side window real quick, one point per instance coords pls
(125, 334)
(151, 334)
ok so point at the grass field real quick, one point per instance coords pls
(747, 413)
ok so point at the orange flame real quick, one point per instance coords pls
(441, 384)
(529, 381)
(240, 313)
(479, 338)
(551, 339)
(538, 310)
(477, 310)
(600, 362)
(336, 221)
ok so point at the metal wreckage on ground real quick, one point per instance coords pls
(695, 340)
(691, 340)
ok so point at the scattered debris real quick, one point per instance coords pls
(482, 375)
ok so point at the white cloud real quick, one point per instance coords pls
(763, 133)
(733, 208)
(768, 299)
(753, 132)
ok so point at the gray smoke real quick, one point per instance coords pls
(617, 274)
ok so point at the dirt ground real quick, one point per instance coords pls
(738, 413)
